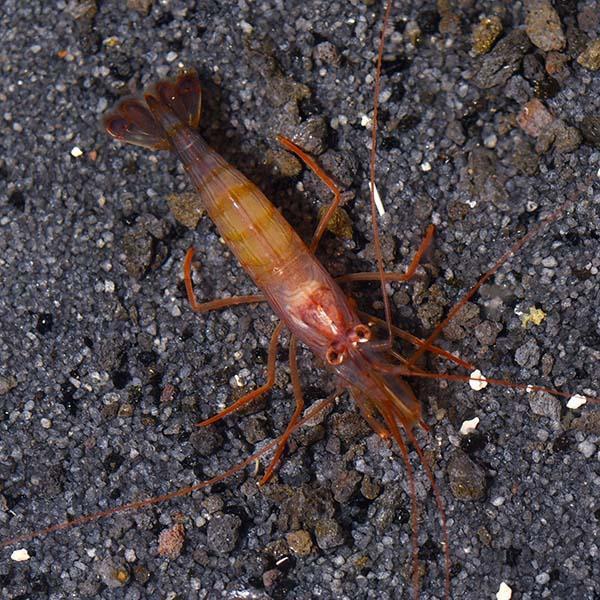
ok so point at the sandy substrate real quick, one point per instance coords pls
(95, 325)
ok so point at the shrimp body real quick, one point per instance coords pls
(298, 288)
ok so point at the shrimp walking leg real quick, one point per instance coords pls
(258, 391)
(368, 413)
(418, 342)
(414, 510)
(299, 399)
(406, 276)
(202, 307)
(441, 509)
(328, 181)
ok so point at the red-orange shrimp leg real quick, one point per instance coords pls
(406, 276)
(328, 181)
(258, 391)
(299, 399)
(418, 342)
(367, 412)
(202, 307)
(414, 509)
(553, 216)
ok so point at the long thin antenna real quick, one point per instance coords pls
(185, 491)
(553, 216)
(372, 158)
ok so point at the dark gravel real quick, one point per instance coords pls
(95, 324)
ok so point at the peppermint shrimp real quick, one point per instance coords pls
(309, 302)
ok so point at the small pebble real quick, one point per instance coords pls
(206, 440)
(528, 355)
(504, 592)
(7, 384)
(300, 542)
(329, 534)
(590, 57)
(369, 489)
(477, 381)
(326, 53)
(545, 405)
(20, 555)
(222, 533)
(490, 141)
(485, 34)
(542, 578)
(114, 573)
(270, 577)
(130, 555)
(543, 25)
(467, 479)
(576, 401)
(170, 541)
(141, 6)
(587, 448)
(506, 58)
(469, 426)
(534, 117)
(590, 129)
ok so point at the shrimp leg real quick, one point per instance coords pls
(202, 307)
(258, 391)
(328, 181)
(299, 399)
(366, 410)
(407, 275)
(337, 199)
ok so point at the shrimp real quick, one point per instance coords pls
(294, 283)
(305, 297)
(308, 301)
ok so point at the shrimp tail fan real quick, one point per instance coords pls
(131, 120)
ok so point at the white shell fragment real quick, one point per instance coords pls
(365, 121)
(76, 152)
(504, 592)
(477, 381)
(469, 426)
(576, 401)
(378, 202)
(20, 555)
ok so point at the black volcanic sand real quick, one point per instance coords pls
(95, 325)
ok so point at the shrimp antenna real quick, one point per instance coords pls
(184, 491)
(390, 329)
(372, 159)
(514, 249)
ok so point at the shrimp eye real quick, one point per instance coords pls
(363, 333)
(334, 356)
